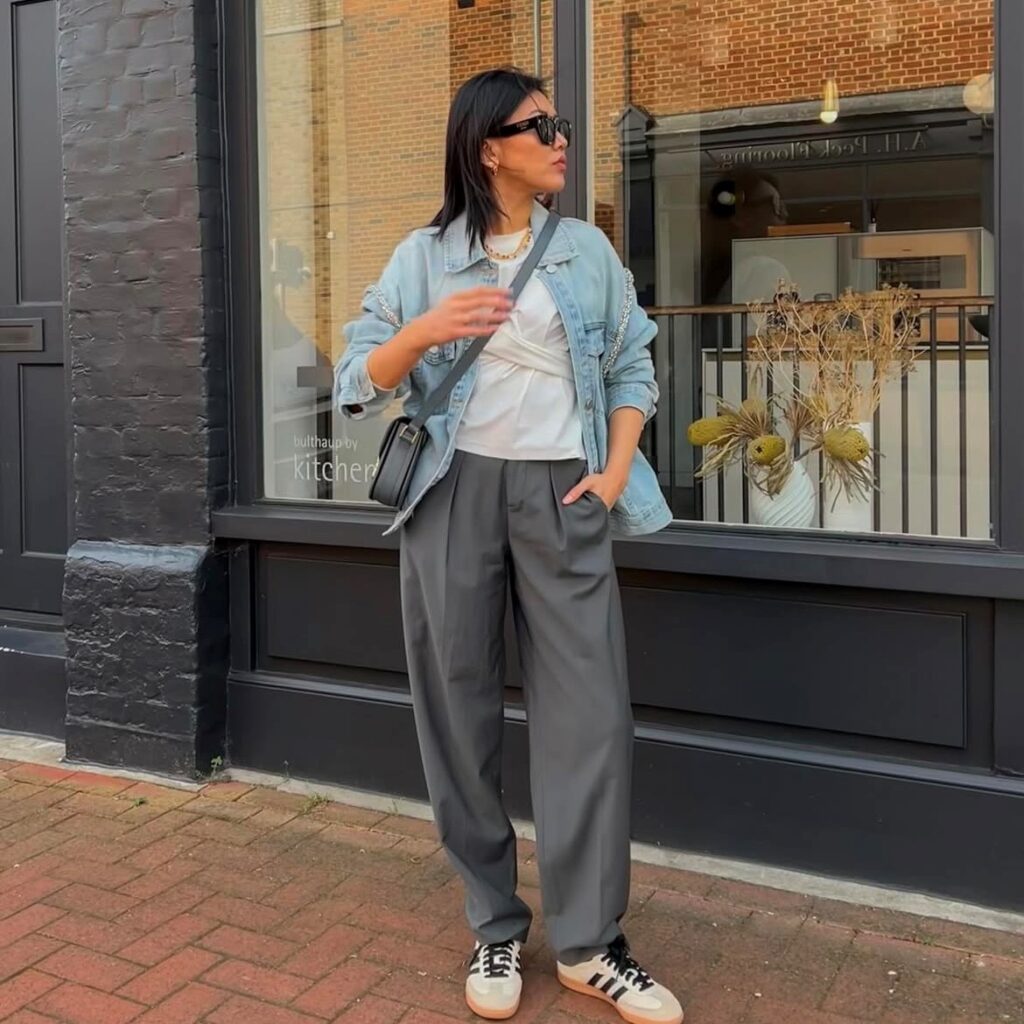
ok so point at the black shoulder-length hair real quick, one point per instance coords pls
(481, 104)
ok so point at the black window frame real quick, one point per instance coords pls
(940, 565)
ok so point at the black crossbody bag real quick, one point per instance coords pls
(403, 442)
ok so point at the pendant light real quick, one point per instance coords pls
(829, 102)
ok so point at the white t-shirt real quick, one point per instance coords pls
(523, 404)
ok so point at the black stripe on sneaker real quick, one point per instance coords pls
(596, 979)
(619, 993)
(609, 984)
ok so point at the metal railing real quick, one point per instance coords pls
(931, 430)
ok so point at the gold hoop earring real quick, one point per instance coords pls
(494, 168)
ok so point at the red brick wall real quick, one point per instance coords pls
(355, 96)
(702, 55)
(499, 32)
(715, 54)
(354, 100)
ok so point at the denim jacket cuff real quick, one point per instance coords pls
(632, 395)
(358, 392)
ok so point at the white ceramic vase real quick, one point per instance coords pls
(853, 514)
(792, 508)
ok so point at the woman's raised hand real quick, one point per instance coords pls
(464, 314)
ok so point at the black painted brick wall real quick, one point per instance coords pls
(146, 647)
(145, 600)
(143, 238)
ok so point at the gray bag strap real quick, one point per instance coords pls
(441, 392)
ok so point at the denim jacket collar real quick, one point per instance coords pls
(458, 254)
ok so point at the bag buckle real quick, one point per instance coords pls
(407, 432)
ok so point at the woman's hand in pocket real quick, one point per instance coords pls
(606, 486)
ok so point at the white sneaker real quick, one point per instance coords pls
(617, 978)
(495, 980)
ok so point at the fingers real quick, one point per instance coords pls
(484, 295)
(492, 317)
(482, 310)
(481, 302)
(588, 485)
(474, 311)
(578, 491)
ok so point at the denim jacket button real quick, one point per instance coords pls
(588, 404)
(551, 268)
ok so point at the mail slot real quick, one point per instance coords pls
(21, 335)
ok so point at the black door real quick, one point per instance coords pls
(33, 443)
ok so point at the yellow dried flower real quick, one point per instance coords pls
(764, 450)
(708, 430)
(847, 443)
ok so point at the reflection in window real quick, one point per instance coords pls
(849, 153)
(353, 102)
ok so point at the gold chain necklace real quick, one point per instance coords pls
(517, 251)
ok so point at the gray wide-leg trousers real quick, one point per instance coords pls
(488, 528)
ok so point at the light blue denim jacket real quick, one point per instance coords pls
(609, 337)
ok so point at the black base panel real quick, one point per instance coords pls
(868, 826)
(33, 688)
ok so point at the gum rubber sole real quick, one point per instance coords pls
(490, 1014)
(632, 1018)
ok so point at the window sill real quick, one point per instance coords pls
(978, 570)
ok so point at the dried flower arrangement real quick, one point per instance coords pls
(745, 434)
(826, 348)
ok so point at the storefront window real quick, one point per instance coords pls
(845, 154)
(353, 99)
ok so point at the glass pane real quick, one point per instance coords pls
(850, 158)
(925, 177)
(352, 108)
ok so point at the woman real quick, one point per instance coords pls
(520, 481)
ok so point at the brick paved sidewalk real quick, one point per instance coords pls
(124, 901)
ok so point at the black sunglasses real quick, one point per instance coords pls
(547, 129)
